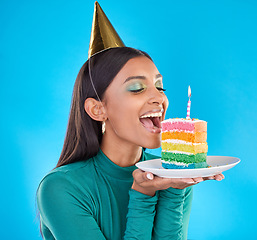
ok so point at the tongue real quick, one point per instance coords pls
(147, 122)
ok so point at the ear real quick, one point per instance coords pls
(95, 109)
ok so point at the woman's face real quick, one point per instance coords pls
(136, 104)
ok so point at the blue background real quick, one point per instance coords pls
(209, 45)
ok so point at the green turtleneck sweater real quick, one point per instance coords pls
(93, 200)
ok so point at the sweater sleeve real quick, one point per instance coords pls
(62, 215)
(140, 217)
(172, 214)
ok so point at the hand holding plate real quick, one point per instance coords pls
(147, 183)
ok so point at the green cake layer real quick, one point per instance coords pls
(184, 158)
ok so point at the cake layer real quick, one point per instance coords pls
(183, 124)
(174, 165)
(197, 137)
(183, 158)
(184, 147)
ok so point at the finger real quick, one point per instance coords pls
(186, 182)
(180, 183)
(189, 181)
(208, 178)
(219, 177)
(198, 179)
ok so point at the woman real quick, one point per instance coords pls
(96, 192)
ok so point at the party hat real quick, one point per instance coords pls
(103, 34)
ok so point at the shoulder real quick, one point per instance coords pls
(64, 179)
(65, 190)
(65, 171)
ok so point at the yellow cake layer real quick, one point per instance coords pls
(181, 147)
(198, 137)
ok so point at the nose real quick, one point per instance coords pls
(156, 97)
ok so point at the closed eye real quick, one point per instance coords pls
(137, 90)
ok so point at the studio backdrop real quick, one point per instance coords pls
(209, 45)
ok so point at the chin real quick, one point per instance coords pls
(152, 145)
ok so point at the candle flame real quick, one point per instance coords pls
(189, 91)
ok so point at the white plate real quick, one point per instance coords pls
(218, 165)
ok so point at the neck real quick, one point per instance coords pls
(122, 153)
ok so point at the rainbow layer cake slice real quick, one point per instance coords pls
(184, 143)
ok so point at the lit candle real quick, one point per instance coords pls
(188, 103)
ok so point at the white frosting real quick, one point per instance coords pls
(180, 142)
(176, 130)
(176, 163)
(181, 120)
(175, 151)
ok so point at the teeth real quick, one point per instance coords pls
(159, 114)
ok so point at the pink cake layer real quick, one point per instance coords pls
(181, 124)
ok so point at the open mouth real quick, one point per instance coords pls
(152, 122)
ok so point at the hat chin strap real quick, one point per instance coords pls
(91, 80)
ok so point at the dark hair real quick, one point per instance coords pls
(84, 135)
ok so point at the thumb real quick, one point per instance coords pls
(149, 175)
(141, 176)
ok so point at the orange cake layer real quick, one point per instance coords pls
(198, 137)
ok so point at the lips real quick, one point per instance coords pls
(152, 121)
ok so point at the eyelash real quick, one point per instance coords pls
(161, 89)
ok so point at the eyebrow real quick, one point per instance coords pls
(142, 77)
